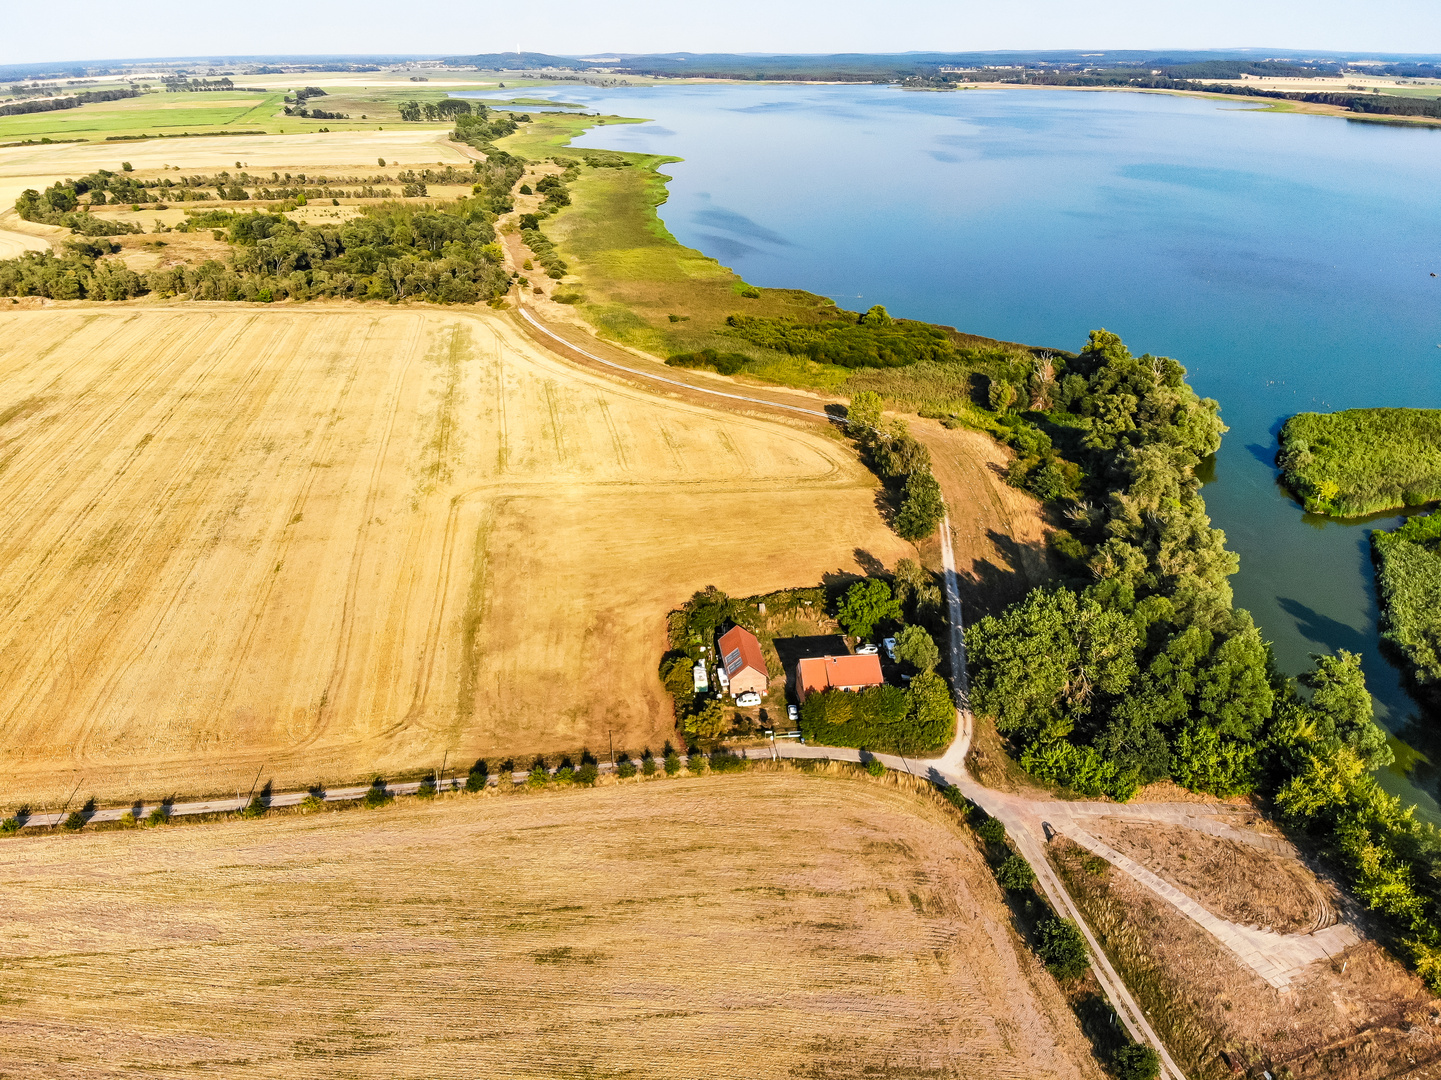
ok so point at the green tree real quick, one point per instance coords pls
(1063, 949)
(1049, 662)
(1135, 1062)
(915, 646)
(1015, 874)
(864, 413)
(931, 714)
(922, 507)
(866, 604)
(709, 724)
(1342, 711)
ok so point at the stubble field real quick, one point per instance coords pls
(765, 925)
(324, 542)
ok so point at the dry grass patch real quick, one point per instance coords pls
(1360, 1017)
(333, 540)
(1227, 877)
(763, 925)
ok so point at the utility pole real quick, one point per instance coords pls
(70, 800)
(441, 778)
(610, 735)
(252, 787)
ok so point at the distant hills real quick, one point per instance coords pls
(1211, 64)
(860, 67)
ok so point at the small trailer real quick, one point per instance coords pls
(702, 685)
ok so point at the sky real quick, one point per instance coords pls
(98, 29)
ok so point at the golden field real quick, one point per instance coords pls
(324, 542)
(770, 924)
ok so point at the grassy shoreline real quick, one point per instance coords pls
(635, 284)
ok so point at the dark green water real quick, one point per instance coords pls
(1285, 260)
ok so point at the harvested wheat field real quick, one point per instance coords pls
(769, 924)
(1362, 1016)
(324, 542)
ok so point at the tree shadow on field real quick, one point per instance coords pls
(988, 587)
(872, 566)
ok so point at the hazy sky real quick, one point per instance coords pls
(92, 29)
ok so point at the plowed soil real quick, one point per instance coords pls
(1227, 877)
(324, 542)
(1362, 1016)
(773, 924)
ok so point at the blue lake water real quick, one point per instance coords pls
(1286, 260)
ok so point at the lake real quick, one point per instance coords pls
(1286, 260)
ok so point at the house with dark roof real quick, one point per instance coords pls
(817, 674)
(742, 661)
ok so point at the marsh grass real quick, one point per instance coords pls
(1362, 461)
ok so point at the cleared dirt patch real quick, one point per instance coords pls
(1000, 532)
(1360, 1017)
(326, 541)
(764, 925)
(1229, 878)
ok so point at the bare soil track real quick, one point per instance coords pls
(331, 541)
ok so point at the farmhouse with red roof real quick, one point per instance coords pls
(745, 667)
(817, 674)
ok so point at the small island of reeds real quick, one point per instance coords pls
(1408, 577)
(1362, 461)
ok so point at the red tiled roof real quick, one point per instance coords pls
(739, 649)
(817, 673)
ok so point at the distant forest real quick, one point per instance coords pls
(70, 101)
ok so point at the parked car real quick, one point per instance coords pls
(793, 714)
(890, 644)
(748, 699)
(867, 650)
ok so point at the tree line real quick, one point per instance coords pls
(447, 109)
(70, 101)
(1137, 667)
(442, 252)
(902, 462)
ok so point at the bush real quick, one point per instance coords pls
(312, 802)
(1063, 949)
(875, 767)
(479, 776)
(625, 769)
(1135, 1062)
(587, 774)
(992, 831)
(724, 761)
(378, 795)
(1015, 874)
(257, 807)
(672, 763)
(159, 816)
(77, 819)
(427, 789)
(648, 766)
(883, 717)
